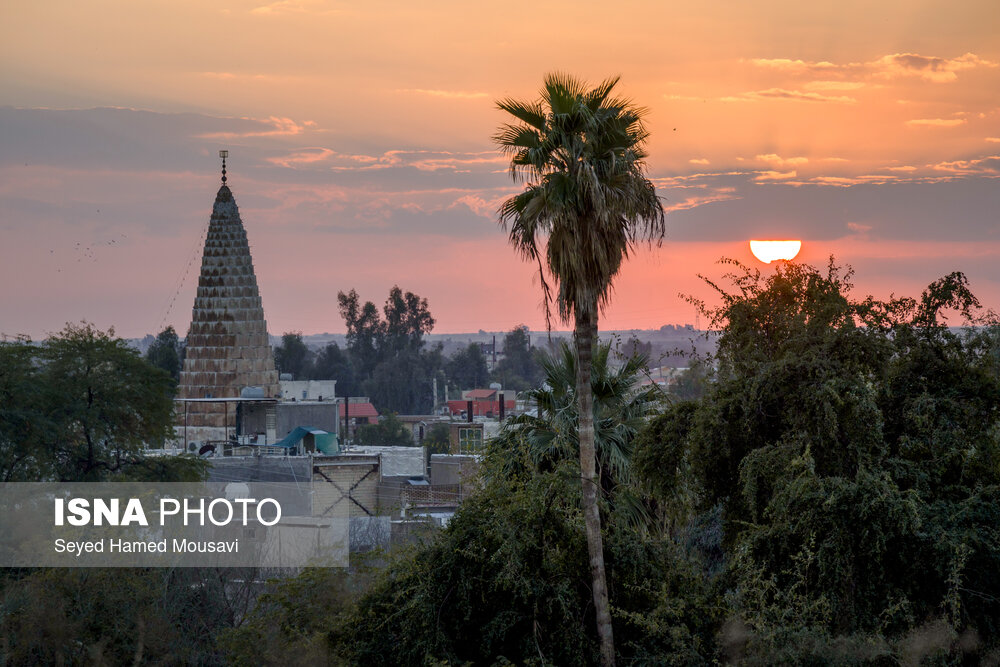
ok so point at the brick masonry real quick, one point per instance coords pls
(227, 343)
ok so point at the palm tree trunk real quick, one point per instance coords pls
(584, 333)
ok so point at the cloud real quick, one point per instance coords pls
(793, 65)
(291, 7)
(858, 227)
(420, 160)
(700, 160)
(936, 122)
(694, 201)
(986, 166)
(775, 175)
(834, 85)
(993, 140)
(448, 94)
(930, 68)
(778, 161)
(906, 168)
(790, 95)
(278, 126)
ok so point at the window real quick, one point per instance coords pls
(470, 440)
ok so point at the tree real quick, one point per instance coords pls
(372, 340)
(404, 383)
(467, 368)
(83, 406)
(437, 439)
(365, 332)
(506, 582)
(293, 356)
(332, 364)
(582, 154)
(849, 450)
(388, 431)
(519, 369)
(387, 354)
(620, 411)
(167, 353)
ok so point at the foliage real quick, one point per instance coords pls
(121, 615)
(373, 340)
(466, 369)
(582, 154)
(82, 407)
(854, 447)
(620, 411)
(331, 363)
(388, 431)
(292, 619)
(404, 384)
(507, 581)
(167, 353)
(437, 439)
(520, 368)
(387, 354)
(293, 356)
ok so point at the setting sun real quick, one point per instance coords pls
(769, 251)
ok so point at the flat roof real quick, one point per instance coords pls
(228, 400)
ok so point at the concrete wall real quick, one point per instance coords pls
(314, 390)
(260, 469)
(320, 414)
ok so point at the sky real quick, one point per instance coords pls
(360, 150)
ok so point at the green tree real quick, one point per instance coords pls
(111, 403)
(467, 369)
(507, 582)
(520, 368)
(620, 411)
(365, 331)
(167, 353)
(116, 616)
(407, 319)
(293, 356)
(388, 431)
(582, 154)
(437, 439)
(83, 406)
(26, 423)
(331, 363)
(372, 340)
(852, 448)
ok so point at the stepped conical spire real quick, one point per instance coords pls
(227, 344)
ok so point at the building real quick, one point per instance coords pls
(484, 403)
(228, 349)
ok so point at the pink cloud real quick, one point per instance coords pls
(936, 122)
(930, 68)
(775, 175)
(789, 95)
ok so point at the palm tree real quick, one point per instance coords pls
(581, 154)
(549, 436)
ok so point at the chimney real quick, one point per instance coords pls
(503, 412)
(468, 411)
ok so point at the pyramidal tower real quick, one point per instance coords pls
(227, 344)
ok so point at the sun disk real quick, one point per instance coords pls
(769, 251)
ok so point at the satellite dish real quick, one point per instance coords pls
(205, 449)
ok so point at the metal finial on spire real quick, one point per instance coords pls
(223, 155)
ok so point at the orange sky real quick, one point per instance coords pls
(361, 158)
